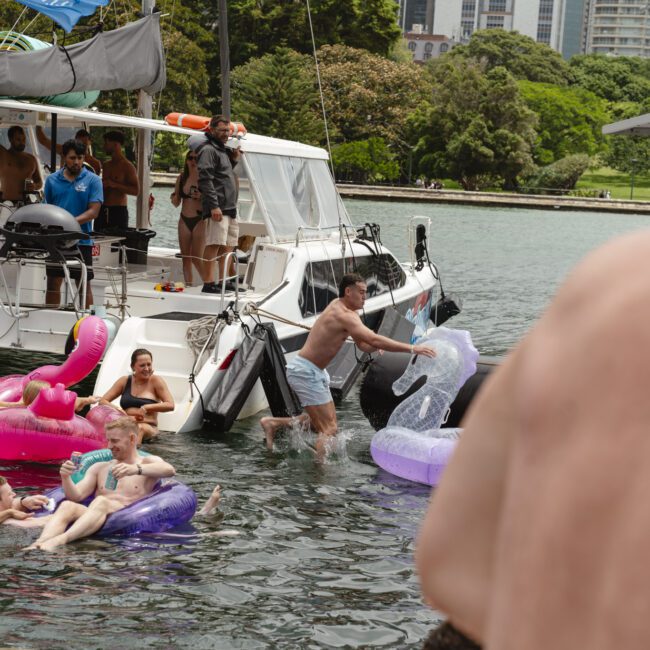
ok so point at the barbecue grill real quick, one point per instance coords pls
(41, 231)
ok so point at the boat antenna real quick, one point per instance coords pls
(327, 132)
(224, 58)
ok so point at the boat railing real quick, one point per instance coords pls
(15, 308)
(342, 228)
(231, 256)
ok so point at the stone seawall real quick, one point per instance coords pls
(500, 199)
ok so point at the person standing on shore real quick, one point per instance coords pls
(219, 189)
(306, 372)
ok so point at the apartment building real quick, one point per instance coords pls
(557, 23)
(618, 27)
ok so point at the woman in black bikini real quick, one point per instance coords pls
(142, 394)
(191, 226)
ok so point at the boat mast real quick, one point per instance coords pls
(224, 58)
(143, 144)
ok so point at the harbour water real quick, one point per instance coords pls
(323, 558)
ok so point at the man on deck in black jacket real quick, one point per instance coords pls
(219, 188)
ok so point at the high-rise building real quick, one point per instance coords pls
(558, 23)
(416, 12)
(618, 27)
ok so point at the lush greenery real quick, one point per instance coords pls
(617, 183)
(275, 95)
(563, 174)
(365, 161)
(475, 127)
(569, 120)
(497, 111)
(520, 55)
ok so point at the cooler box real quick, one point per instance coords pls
(137, 244)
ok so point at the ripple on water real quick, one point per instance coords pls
(324, 555)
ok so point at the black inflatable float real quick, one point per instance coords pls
(378, 400)
(259, 356)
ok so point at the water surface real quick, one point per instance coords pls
(324, 554)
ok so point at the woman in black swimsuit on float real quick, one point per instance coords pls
(191, 226)
(142, 394)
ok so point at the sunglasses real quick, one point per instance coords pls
(192, 157)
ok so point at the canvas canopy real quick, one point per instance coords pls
(127, 58)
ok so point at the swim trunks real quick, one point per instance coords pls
(309, 382)
(112, 217)
(56, 271)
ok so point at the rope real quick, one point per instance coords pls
(327, 133)
(254, 309)
(165, 48)
(12, 28)
(199, 334)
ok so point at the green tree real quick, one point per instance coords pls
(475, 128)
(276, 95)
(625, 153)
(369, 96)
(616, 79)
(365, 161)
(563, 174)
(570, 120)
(523, 57)
(257, 27)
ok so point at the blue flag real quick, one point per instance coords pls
(65, 12)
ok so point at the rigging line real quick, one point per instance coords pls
(27, 26)
(125, 9)
(169, 34)
(12, 28)
(327, 132)
(19, 34)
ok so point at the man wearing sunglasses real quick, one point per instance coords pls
(219, 189)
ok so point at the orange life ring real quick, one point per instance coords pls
(237, 129)
(188, 121)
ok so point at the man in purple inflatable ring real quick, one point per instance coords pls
(116, 484)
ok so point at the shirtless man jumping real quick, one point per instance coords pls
(306, 371)
(18, 169)
(136, 477)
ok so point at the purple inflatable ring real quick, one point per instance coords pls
(170, 504)
(413, 455)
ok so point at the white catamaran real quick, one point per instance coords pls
(303, 243)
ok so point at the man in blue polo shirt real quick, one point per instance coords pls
(79, 191)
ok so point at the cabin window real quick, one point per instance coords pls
(321, 280)
(296, 193)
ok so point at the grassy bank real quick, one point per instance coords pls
(616, 182)
(603, 178)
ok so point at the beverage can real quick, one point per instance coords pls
(111, 481)
(75, 457)
(50, 505)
